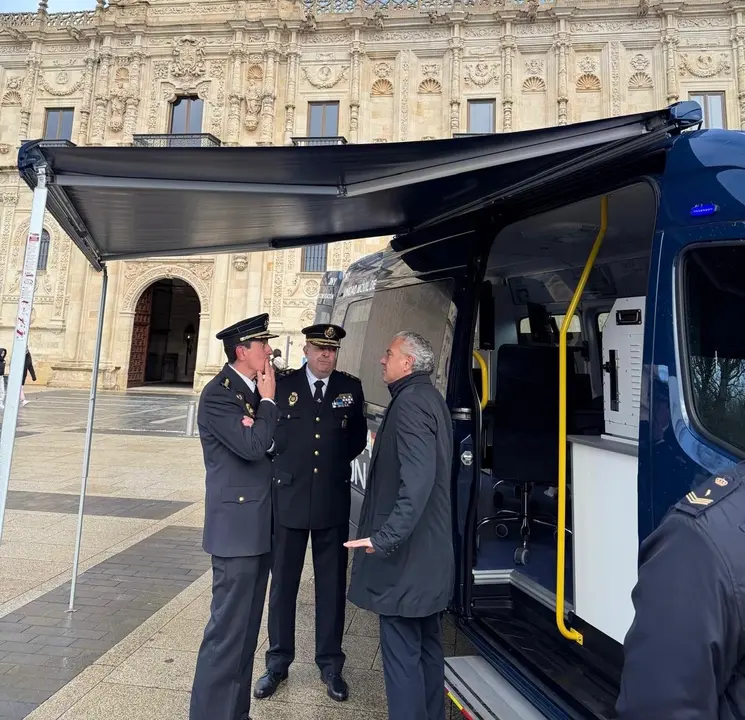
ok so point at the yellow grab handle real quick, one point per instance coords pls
(568, 633)
(484, 379)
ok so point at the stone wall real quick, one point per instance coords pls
(399, 69)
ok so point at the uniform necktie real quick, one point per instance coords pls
(318, 394)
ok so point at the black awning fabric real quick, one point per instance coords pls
(126, 202)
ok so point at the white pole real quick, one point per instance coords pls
(88, 437)
(20, 339)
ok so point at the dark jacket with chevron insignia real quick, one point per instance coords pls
(238, 507)
(314, 449)
(685, 651)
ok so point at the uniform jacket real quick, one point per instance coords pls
(406, 510)
(685, 651)
(238, 508)
(314, 449)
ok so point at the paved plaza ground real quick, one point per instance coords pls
(143, 592)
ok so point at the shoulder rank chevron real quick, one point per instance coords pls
(709, 493)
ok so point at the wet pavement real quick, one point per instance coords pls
(135, 412)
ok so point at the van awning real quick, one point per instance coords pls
(126, 202)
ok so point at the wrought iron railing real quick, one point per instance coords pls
(186, 140)
(305, 141)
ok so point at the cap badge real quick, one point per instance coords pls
(329, 333)
(292, 399)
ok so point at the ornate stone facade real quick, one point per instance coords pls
(398, 69)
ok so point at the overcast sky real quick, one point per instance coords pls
(54, 5)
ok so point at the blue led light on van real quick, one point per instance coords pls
(703, 209)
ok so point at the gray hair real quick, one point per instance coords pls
(419, 349)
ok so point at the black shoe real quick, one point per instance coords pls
(336, 687)
(268, 683)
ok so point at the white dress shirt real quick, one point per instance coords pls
(251, 384)
(312, 380)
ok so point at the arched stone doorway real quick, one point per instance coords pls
(163, 350)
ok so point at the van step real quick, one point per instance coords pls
(481, 693)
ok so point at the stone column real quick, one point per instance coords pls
(456, 52)
(133, 98)
(102, 98)
(85, 105)
(354, 100)
(218, 303)
(561, 47)
(235, 97)
(269, 95)
(670, 42)
(292, 63)
(33, 64)
(739, 47)
(509, 47)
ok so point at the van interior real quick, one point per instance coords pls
(534, 266)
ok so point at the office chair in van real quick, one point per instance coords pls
(525, 428)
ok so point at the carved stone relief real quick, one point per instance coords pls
(254, 79)
(588, 79)
(382, 87)
(534, 82)
(140, 275)
(188, 58)
(13, 90)
(325, 77)
(705, 65)
(480, 74)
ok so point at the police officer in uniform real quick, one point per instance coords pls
(237, 420)
(685, 651)
(322, 428)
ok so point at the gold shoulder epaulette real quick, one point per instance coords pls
(349, 375)
(708, 493)
(285, 372)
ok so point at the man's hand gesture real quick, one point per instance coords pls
(266, 383)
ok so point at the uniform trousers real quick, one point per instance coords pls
(330, 559)
(222, 682)
(413, 666)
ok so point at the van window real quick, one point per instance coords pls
(714, 304)
(355, 322)
(574, 335)
(425, 308)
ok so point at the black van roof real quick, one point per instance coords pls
(126, 202)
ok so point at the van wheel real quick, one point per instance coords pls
(502, 531)
(521, 556)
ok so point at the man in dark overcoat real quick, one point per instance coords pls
(403, 569)
(237, 419)
(322, 428)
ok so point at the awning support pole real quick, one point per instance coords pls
(88, 438)
(20, 338)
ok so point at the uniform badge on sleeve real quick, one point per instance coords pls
(343, 401)
(292, 399)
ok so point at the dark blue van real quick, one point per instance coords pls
(590, 346)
